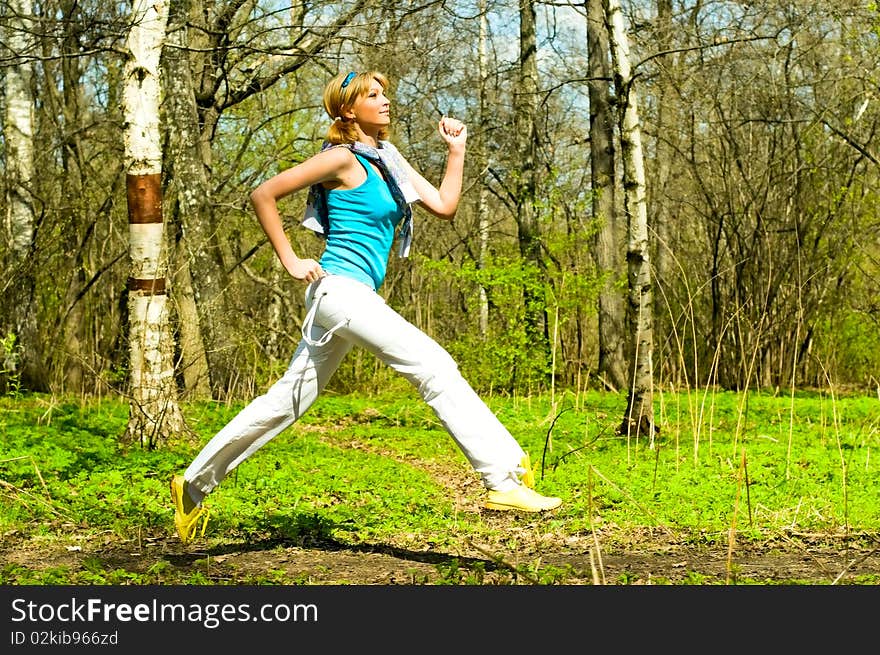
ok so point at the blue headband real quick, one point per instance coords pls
(348, 79)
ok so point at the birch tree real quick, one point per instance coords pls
(154, 414)
(483, 202)
(19, 131)
(639, 417)
(19, 329)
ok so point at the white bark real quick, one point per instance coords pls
(19, 130)
(22, 364)
(483, 208)
(639, 415)
(154, 414)
(145, 250)
(141, 96)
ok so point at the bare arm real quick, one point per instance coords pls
(443, 202)
(328, 166)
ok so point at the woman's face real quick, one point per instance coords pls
(373, 108)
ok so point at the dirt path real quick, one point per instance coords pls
(646, 559)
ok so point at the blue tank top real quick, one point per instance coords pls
(362, 223)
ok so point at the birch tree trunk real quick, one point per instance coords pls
(483, 206)
(639, 417)
(610, 239)
(21, 359)
(19, 132)
(154, 414)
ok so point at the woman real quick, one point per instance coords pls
(360, 190)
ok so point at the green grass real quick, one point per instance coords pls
(761, 464)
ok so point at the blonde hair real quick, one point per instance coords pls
(337, 100)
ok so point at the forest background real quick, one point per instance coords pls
(757, 122)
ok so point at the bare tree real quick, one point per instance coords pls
(660, 216)
(232, 51)
(639, 417)
(770, 117)
(610, 238)
(526, 100)
(18, 326)
(483, 203)
(154, 414)
(193, 194)
(70, 358)
(19, 129)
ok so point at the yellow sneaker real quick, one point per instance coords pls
(527, 478)
(186, 522)
(521, 498)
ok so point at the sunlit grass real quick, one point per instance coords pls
(360, 469)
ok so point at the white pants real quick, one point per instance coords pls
(342, 313)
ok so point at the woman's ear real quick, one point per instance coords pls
(347, 112)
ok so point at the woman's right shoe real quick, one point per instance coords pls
(521, 498)
(186, 522)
